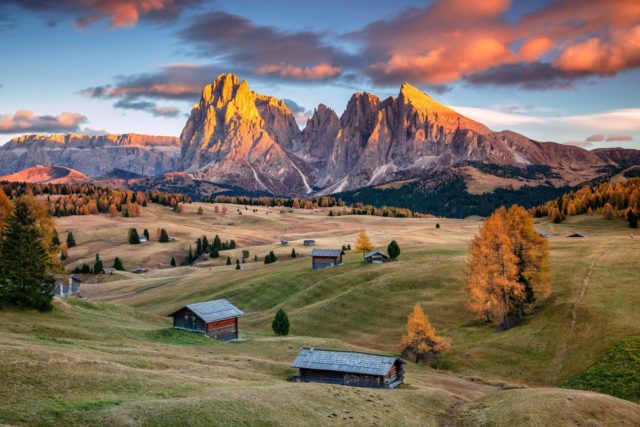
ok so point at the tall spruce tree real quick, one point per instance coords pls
(146, 234)
(173, 262)
(133, 237)
(117, 264)
(394, 250)
(164, 237)
(24, 280)
(97, 265)
(71, 241)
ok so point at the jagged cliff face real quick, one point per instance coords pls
(93, 155)
(237, 136)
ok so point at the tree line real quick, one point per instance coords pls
(610, 199)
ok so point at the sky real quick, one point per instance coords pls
(564, 70)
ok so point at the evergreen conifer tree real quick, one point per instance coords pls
(173, 262)
(293, 253)
(393, 250)
(238, 264)
(228, 260)
(133, 237)
(97, 265)
(280, 324)
(146, 233)
(71, 241)
(24, 280)
(164, 237)
(117, 264)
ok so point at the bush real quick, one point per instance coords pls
(228, 260)
(280, 324)
(71, 241)
(173, 262)
(164, 236)
(117, 264)
(394, 250)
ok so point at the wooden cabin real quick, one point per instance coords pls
(376, 257)
(321, 258)
(217, 319)
(309, 243)
(349, 368)
(67, 288)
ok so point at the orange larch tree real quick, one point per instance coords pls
(421, 339)
(507, 269)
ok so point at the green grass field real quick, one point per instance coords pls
(111, 359)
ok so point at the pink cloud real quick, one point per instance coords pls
(533, 49)
(583, 144)
(28, 121)
(619, 138)
(317, 72)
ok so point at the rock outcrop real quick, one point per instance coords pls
(237, 136)
(93, 155)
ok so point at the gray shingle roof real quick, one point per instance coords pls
(344, 361)
(327, 252)
(211, 311)
(373, 252)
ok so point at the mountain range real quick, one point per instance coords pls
(237, 137)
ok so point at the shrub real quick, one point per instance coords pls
(280, 324)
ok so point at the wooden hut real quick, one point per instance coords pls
(309, 243)
(349, 368)
(376, 257)
(321, 258)
(217, 319)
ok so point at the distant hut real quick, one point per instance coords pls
(66, 288)
(143, 239)
(349, 368)
(576, 235)
(309, 243)
(138, 270)
(376, 257)
(217, 319)
(542, 232)
(284, 242)
(321, 258)
(109, 270)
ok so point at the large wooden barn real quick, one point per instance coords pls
(217, 319)
(321, 258)
(349, 368)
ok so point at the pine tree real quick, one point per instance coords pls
(146, 234)
(280, 324)
(394, 250)
(238, 264)
(293, 253)
(217, 243)
(117, 264)
(205, 244)
(164, 237)
(55, 240)
(173, 262)
(228, 260)
(437, 225)
(71, 241)
(190, 258)
(363, 244)
(632, 218)
(255, 258)
(214, 253)
(133, 237)
(24, 280)
(421, 339)
(245, 253)
(97, 265)
(198, 247)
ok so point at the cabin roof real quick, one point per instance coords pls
(374, 252)
(212, 311)
(327, 252)
(542, 232)
(344, 361)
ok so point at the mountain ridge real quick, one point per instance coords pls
(238, 137)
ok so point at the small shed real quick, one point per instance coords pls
(321, 258)
(376, 257)
(138, 270)
(542, 232)
(217, 319)
(67, 288)
(284, 242)
(109, 270)
(349, 368)
(309, 243)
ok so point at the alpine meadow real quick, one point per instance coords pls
(365, 213)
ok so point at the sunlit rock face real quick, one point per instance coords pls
(93, 155)
(236, 136)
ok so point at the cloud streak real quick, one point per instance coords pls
(27, 121)
(117, 13)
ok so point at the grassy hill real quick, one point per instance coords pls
(112, 359)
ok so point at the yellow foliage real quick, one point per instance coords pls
(508, 267)
(421, 339)
(363, 244)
